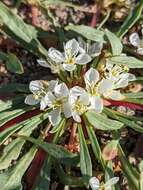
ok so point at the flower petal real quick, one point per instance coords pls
(72, 47)
(111, 182)
(82, 59)
(67, 110)
(116, 95)
(96, 104)
(77, 91)
(134, 39)
(55, 116)
(52, 85)
(95, 49)
(61, 90)
(69, 67)
(105, 86)
(94, 183)
(35, 86)
(43, 63)
(50, 98)
(140, 51)
(91, 76)
(43, 103)
(30, 100)
(76, 116)
(56, 55)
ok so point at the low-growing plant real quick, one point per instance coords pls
(57, 125)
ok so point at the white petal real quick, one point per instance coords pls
(72, 46)
(76, 116)
(82, 59)
(55, 117)
(95, 49)
(43, 63)
(56, 55)
(69, 67)
(43, 103)
(82, 45)
(111, 182)
(77, 91)
(94, 183)
(61, 90)
(52, 85)
(91, 76)
(140, 51)
(67, 110)
(105, 86)
(84, 98)
(50, 98)
(131, 77)
(96, 104)
(35, 86)
(116, 95)
(30, 100)
(134, 39)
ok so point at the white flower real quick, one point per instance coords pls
(58, 102)
(70, 57)
(79, 101)
(39, 88)
(93, 49)
(92, 78)
(137, 42)
(118, 74)
(108, 89)
(55, 68)
(95, 183)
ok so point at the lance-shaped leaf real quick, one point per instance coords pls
(101, 122)
(13, 64)
(115, 42)
(56, 151)
(85, 160)
(128, 61)
(134, 95)
(11, 179)
(87, 32)
(130, 172)
(13, 150)
(14, 26)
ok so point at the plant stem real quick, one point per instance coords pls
(104, 20)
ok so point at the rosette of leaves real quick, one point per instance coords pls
(72, 149)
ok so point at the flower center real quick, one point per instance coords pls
(70, 60)
(59, 102)
(80, 107)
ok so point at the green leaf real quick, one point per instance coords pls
(12, 151)
(87, 32)
(128, 61)
(25, 34)
(14, 87)
(13, 64)
(101, 122)
(3, 56)
(9, 131)
(130, 21)
(123, 119)
(95, 145)
(12, 113)
(115, 42)
(85, 160)
(130, 172)
(14, 102)
(56, 151)
(67, 179)
(134, 95)
(11, 179)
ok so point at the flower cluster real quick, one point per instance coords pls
(96, 86)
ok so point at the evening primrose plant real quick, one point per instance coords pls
(68, 130)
